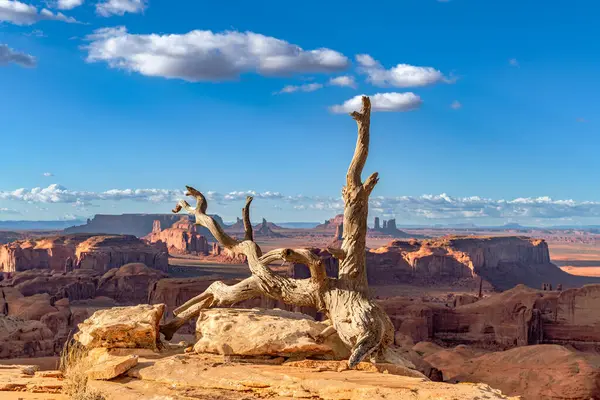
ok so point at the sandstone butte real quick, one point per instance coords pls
(90, 252)
(183, 238)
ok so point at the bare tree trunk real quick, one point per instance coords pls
(360, 323)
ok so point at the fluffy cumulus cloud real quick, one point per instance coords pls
(120, 7)
(48, 174)
(444, 206)
(402, 75)
(381, 102)
(456, 105)
(68, 4)
(309, 87)
(423, 208)
(344, 80)
(25, 14)
(208, 56)
(8, 56)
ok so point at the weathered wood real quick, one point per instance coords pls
(360, 323)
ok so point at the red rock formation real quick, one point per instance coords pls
(102, 253)
(502, 261)
(181, 238)
(20, 338)
(518, 317)
(541, 372)
(129, 284)
(76, 285)
(99, 253)
(331, 223)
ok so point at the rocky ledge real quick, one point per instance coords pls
(239, 354)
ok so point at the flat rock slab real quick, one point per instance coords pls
(122, 327)
(111, 367)
(18, 379)
(254, 332)
(204, 375)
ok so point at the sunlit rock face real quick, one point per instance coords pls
(93, 252)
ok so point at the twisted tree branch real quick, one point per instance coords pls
(246, 217)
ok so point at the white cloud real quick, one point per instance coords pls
(444, 206)
(344, 80)
(120, 7)
(425, 207)
(25, 14)
(68, 4)
(48, 174)
(8, 55)
(309, 87)
(381, 102)
(513, 62)
(4, 210)
(402, 75)
(207, 56)
(456, 105)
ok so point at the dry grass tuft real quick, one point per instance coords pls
(73, 364)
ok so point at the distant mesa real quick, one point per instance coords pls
(138, 225)
(265, 229)
(389, 228)
(331, 223)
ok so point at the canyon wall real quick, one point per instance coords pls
(517, 317)
(502, 261)
(67, 252)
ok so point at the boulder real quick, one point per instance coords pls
(111, 367)
(264, 332)
(122, 327)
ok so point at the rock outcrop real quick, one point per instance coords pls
(541, 372)
(177, 377)
(98, 253)
(504, 262)
(21, 338)
(75, 285)
(181, 238)
(518, 317)
(261, 332)
(130, 284)
(122, 327)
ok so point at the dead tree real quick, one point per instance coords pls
(360, 323)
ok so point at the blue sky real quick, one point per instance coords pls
(492, 110)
